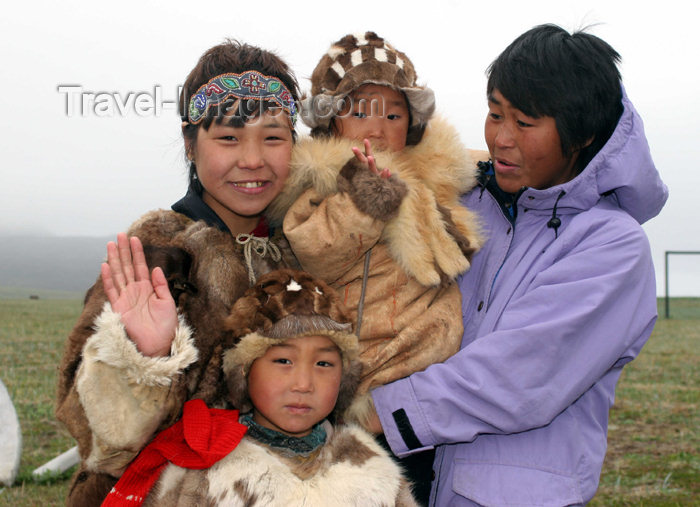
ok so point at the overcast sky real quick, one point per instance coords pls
(73, 168)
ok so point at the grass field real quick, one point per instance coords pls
(654, 450)
(32, 333)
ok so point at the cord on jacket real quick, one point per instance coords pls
(555, 221)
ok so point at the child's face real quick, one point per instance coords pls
(526, 151)
(295, 384)
(243, 169)
(377, 113)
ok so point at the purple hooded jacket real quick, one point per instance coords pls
(519, 415)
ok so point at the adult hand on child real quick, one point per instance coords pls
(144, 302)
(368, 159)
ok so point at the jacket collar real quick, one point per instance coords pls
(193, 207)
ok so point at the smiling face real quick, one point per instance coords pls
(526, 151)
(377, 113)
(242, 169)
(295, 384)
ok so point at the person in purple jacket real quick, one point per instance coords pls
(561, 296)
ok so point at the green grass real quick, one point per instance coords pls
(653, 454)
(653, 446)
(32, 333)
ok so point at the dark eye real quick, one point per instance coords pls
(325, 364)
(523, 124)
(494, 116)
(359, 115)
(282, 360)
(394, 116)
(228, 138)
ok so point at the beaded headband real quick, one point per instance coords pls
(250, 84)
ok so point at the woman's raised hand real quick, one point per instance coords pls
(144, 302)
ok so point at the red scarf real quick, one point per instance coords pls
(201, 438)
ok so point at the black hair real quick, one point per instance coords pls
(234, 57)
(571, 77)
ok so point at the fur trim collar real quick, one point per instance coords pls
(111, 345)
(351, 469)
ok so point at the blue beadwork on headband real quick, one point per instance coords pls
(247, 85)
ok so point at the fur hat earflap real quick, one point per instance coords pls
(287, 304)
(361, 59)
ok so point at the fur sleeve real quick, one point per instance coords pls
(329, 236)
(156, 228)
(126, 395)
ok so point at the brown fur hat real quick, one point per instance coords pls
(361, 59)
(287, 304)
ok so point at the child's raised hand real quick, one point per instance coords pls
(368, 158)
(144, 302)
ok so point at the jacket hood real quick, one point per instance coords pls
(623, 167)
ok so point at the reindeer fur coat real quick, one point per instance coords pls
(206, 275)
(334, 211)
(350, 469)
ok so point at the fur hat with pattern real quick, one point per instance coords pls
(361, 59)
(287, 304)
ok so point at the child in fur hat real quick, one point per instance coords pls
(293, 365)
(387, 231)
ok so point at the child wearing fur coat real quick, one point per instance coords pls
(337, 206)
(386, 231)
(293, 365)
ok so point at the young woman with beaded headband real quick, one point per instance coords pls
(238, 116)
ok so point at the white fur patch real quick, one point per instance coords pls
(265, 476)
(338, 69)
(170, 479)
(361, 39)
(356, 57)
(293, 286)
(380, 54)
(335, 51)
(399, 62)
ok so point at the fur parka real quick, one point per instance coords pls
(206, 273)
(334, 211)
(350, 469)
(124, 394)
